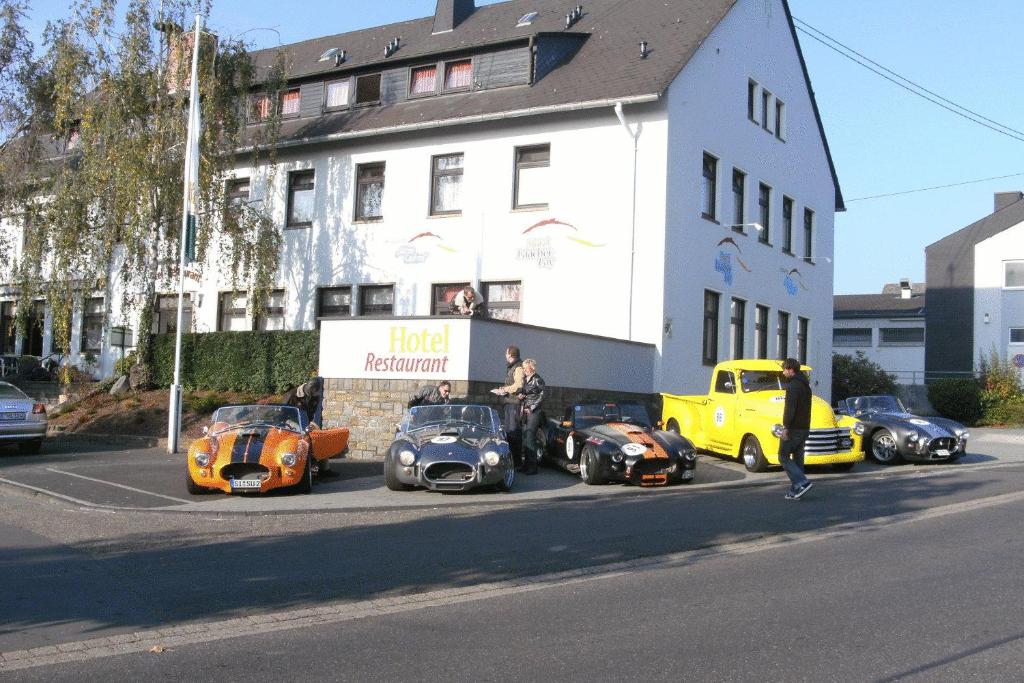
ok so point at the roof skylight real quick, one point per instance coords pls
(527, 19)
(329, 54)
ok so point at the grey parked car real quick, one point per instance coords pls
(892, 434)
(22, 420)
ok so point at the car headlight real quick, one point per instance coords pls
(858, 429)
(962, 433)
(777, 431)
(202, 459)
(690, 455)
(289, 459)
(491, 459)
(913, 436)
(407, 457)
(633, 449)
(617, 457)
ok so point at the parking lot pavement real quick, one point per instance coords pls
(103, 474)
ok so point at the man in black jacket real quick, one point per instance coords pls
(796, 424)
(532, 396)
(432, 396)
(511, 405)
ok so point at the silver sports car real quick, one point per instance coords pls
(22, 420)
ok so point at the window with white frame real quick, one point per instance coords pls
(708, 187)
(289, 102)
(531, 185)
(165, 320)
(370, 191)
(300, 199)
(336, 93)
(502, 300)
(270, 317)
(1013, 274)
(446, 185)
(231, 312)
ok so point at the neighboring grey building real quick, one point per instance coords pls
(888, 327)
(976, 291)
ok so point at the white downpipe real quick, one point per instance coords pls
(635, 135)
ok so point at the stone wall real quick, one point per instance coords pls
(371, 408)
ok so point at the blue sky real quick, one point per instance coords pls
(883, 139)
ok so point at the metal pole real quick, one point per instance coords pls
(187, 214)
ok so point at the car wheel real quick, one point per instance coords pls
(30, 447)
(672, 426)
(305, 484)
(883, 448)
(194, 488)
(589, 471)
(505, 485)
(843, 466)
(391, 478)
(570, 446)
(753, 456)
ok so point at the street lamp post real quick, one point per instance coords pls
(188, 228)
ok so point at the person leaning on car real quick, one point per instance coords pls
(532, 396)
(432, 396)
(514, 377)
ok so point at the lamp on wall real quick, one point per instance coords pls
(757, 226)
(986, 319)
(812, 258)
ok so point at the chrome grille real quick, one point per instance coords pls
(946, 442)
(826, 441)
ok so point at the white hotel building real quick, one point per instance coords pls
(646, 172)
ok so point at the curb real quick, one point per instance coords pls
(504, 501)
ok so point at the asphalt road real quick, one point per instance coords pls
(895, 570)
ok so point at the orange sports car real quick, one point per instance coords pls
(256, 448)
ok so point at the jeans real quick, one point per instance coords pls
(530, 446)
(791, 457)
(513, 432)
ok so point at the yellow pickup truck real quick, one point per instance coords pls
(742, 415)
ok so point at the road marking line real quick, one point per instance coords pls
(120, 486)
(245, 627)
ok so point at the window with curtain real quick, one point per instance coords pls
(336, 94)
(458, 74)
(423, 80)
(369, 191)
(531, 180)
(446, 185)
(290, 102)
(259, 107)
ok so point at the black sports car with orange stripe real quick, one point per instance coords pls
(615, 442)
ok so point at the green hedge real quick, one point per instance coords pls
(957, 399)
(256, 362)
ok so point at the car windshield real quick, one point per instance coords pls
(883, 404)
(285, 417)
(764, 380)
(427, 417)
(9, 391)
(592, 414)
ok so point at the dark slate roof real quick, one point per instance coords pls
(981, 230)
(607, 67)
(888, 304)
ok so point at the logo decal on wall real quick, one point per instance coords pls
(420, 246)
(723, 263)
(571, 237)
(792, 281)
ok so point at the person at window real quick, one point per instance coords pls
(466, 302)
(796, 425)
(532, 396)
(510, 416)
(432, 396)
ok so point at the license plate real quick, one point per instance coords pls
(11, 417)
(686, 474)
(245, 483)
(942, 451)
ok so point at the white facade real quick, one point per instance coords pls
(905, 360)
(999, 296)
(598, 259)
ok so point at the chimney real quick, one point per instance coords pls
(450, 13)
(906, 291)
(1004, 199)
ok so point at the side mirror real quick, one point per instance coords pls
(567, 423)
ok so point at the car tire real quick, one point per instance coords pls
(305, 484)
(752, 455)
(31, 447)
(505, 485)
(883, 448)
(194, 488)
(843, 466)
(589, 471)
(391, 479)
(672, 426)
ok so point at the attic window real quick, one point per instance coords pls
(368, 89)
(527, 19)
(330, 54)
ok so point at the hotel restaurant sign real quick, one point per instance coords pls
(413, 348)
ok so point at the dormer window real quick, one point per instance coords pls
(423, 80)
(458, 75)
(289, 105)
(368, 89)
(527, 19)
(336, 93)
(259, 107)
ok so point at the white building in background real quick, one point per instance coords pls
(676, 192)
(888, 328)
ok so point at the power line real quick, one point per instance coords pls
(906, 83)
(935, 187)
